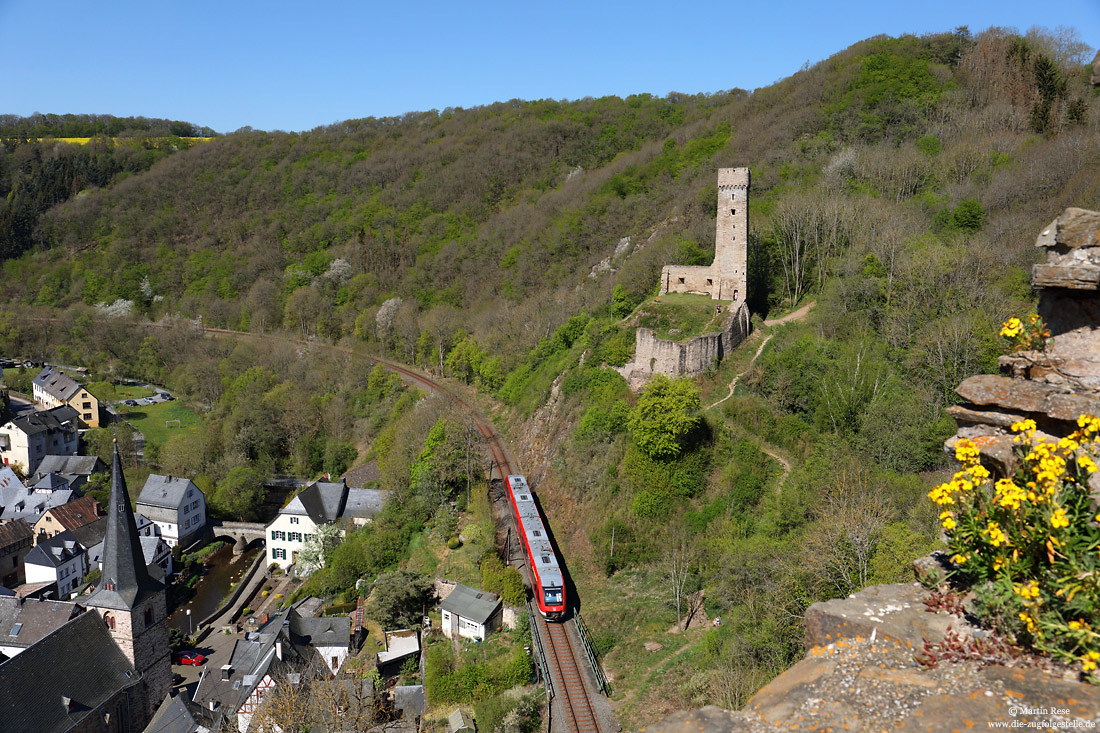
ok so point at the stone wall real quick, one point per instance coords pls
(654, 355)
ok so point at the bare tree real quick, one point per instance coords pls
(679, 564)
(851, 517)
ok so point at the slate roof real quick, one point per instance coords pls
(176, 715)
(76, 513)
(71, 466)
(319, 632)
(51, 482)
(10, 482)
(57, 384)
(410, 700)
(79, 661)
(476, 605)
(37, 618)
(169, 492)
(56, 551)
(365, 503)
(15, 532)
(31, 505)
(59, 418)
(125, 579)
(251, 659)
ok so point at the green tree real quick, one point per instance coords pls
(239, 494)
(665, 416)
(400, 598)
(969, 215)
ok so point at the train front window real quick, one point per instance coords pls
(551, 596)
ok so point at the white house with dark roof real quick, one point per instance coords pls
(61, 559)
(176, 506)
(470, 613)
(53, 388)
(329, 637)
(320, 503)
(27, 439)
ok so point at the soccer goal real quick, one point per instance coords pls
(171, 424)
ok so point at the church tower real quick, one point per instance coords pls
(132, 603)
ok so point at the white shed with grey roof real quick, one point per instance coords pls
(470, 613)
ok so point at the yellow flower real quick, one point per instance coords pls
(1075, 625)
(966, 451)
(1011, 328)
(1088, 662)
(1031, 590)
(959, 559)
(995, 534)
(1008, 494)
(998, 563)
(1026, 618)
(1086, 463)
(1033, 318)
(1089, 424)
(1058, 519)
(1023, 426)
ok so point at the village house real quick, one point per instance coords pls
(70, 515)
(318, 504)
(326, 637)
(53, 388)
(75, 470)
(16, 540)
(470, 613)
(259, 662)
(26, 440)
(176, 506)
(19, 502)
(60, 559)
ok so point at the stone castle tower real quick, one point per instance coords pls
(727, 277)
(133, 604)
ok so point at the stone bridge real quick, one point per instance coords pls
(242, 532)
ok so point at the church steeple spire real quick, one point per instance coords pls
(125, 579)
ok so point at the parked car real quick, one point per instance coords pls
(188, 658)
(130, 403)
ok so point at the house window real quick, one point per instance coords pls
(295, 536)
(294, 520)
(278, 534)
(109, 620)
(709, 281)
(148, 617)
(733, 212)
(681, 280)
(278, 553)
(87, 405)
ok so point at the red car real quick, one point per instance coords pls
(189, 658)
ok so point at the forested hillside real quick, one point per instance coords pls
(899, 184)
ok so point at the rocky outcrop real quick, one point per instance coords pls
(654, 355)
(862, 673)
(1055, 385)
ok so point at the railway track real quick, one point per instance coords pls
(569, 680)
(569, 683)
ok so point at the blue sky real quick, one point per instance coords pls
(294, 66)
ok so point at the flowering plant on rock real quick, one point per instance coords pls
(1034, 537)
(1029, 334)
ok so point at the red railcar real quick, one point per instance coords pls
(546, 577)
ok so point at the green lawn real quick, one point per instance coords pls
(680, 316)
(20, 382)
(150, 420)
(107, 392)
